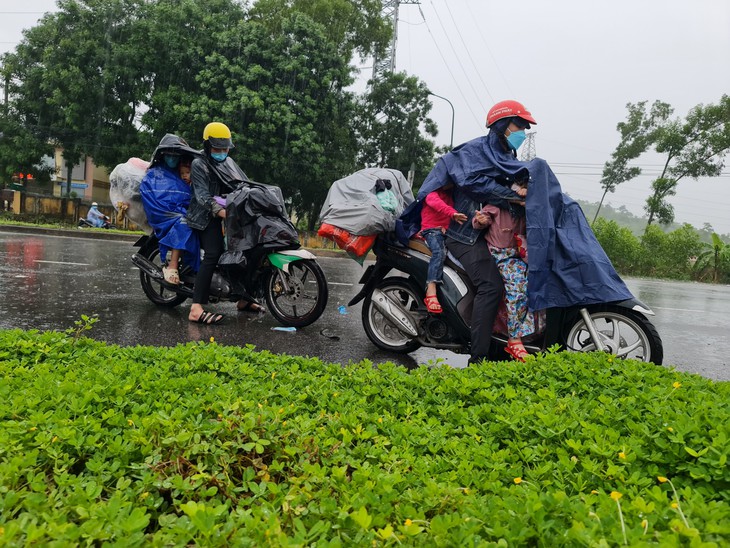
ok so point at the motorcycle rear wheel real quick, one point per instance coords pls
(624, 333)
(379, 329)
(297, 298)
(155, 291)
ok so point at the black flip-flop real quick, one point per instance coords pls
(252, 306)
(209, 318)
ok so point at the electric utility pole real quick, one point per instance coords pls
(386, 63)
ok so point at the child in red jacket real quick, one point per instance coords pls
(438, 211)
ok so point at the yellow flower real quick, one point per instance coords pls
(335, 394)
(273, 375)
(380, 420)
(675, 505)
(33, 428)
(466, 490)
(662, 479)
(518, 480)
(283, 423)
(212, 339)
(144, 495)
(615, 495)
(670, 428)
(644, 523)
(408, 523)
(129, 422)
(677, 385)
(594, 492)
(55, 438)
(622, 455)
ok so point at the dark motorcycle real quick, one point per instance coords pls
(263, 262)
(395, 318)
(83, 223)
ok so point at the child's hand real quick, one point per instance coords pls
(480, 220)
(522, 192)
(459, 217)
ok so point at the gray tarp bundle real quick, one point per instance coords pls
(352, 203)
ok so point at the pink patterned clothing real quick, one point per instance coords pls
(506, 252)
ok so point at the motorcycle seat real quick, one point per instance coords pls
(419, 244)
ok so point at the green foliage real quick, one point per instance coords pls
(693, 147)
(637, 134)
(621, 246)
(391, 123)
(656, 254)
(713, 263)
(207, 445)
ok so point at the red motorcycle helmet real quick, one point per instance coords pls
(507, 109)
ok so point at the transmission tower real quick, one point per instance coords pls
(528, 150)
(386, 63)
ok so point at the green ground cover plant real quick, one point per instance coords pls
(210, 445)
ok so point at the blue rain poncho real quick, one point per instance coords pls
(567, 264)
(166, 197)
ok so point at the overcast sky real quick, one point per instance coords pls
(575, 64)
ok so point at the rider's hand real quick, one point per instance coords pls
(221, 213)
(459, 217)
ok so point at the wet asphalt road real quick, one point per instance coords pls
(47, 282)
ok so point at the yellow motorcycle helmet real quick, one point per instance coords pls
(217, 135)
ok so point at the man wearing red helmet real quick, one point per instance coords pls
(482, 171)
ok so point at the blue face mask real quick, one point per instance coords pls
(516, 138)
(219, 156)
(172, 161)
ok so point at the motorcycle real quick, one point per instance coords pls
(83, 223)
(263, 262)
(395, 317)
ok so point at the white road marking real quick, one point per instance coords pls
(63, 262)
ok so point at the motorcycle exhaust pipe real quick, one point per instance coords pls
(147, 266)
(394, 313)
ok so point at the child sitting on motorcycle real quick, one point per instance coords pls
(165, 198)
(505, 239)
(438, 211)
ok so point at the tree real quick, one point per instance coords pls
(353, 26)
(283, 95)
(714, 260)
(694, 148)
(637, 134)
(391, 121)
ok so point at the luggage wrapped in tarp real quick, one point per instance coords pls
(361, 206)
(256, 219)
(124, 195)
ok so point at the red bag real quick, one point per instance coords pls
(356, 246)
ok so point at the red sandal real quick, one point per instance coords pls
(516, 350)
(432, 304)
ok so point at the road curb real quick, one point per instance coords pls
(102, 234)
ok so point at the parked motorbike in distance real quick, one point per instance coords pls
(263, 262)
(395, 317)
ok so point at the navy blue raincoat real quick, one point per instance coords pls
(567, 265)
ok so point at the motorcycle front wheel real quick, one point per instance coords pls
(155, 291)
(297, 298)
(624, 333)
(381, 331)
